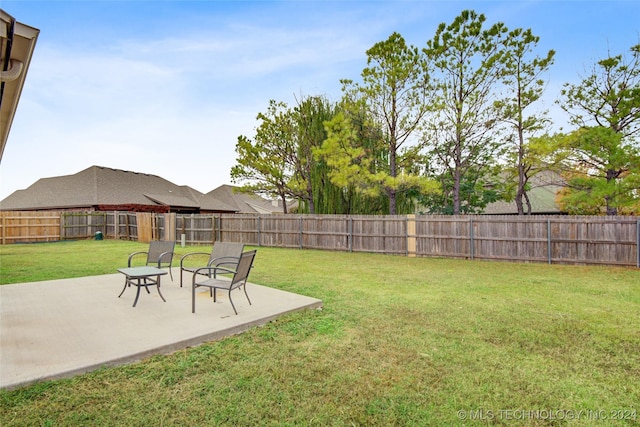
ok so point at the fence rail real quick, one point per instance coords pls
(550, 239)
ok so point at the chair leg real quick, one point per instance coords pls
(232, 304)
(244, 288)
(193, 298)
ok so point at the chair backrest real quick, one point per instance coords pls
(244, 268)
(225, 253)
(160, 252)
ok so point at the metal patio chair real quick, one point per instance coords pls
(239, 280)
(223, 254)
(160, 254)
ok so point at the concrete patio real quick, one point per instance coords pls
(61, 328)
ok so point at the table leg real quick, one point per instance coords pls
(158, 287)
(135, 301)
(140, 282)
(126, 282)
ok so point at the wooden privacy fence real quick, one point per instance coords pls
(550, 239)
(16, 227)
(29, 227)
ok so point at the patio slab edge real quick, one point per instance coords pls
(162, 350)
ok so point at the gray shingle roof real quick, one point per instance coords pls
(242, 202)
(101, 186)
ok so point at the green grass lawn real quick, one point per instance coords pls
(400, 341)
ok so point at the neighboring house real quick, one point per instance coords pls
(105, 189)
(17, 42)
(247, 203)
(542, 194)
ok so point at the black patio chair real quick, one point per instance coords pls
(239, 280)
(223, 254)
(160, 254)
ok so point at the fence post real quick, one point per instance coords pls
(549, 240)
(472, 249)
(638, 243)
(62, 218)
(115, 225)
(300, 231)
(259, 230)
(350, 231)
(411, 235)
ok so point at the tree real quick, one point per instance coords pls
(608, 97)
(602, 172)
(604, 149)
(279, 161)
(387, 107)
(475, 193)
(267, 162)
(522, 79)
(309, 182)
(462, 131)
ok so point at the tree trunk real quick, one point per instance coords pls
(392, 201)
(521, 173)
(393, 173)
(456, 191)
(611, 176)
(312, 208)
(526, 198)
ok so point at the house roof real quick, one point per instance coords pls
(17, 43)
(243, 202)
(101, 186)
(97, 185)
(542, 195)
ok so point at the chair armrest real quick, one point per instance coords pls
(209, 270)
(132, 255)
(190, 254)
(224, 260)
(231, 269)
(162, 256)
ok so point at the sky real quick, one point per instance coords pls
(167, 87)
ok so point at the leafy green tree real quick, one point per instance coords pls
(602, 172)
(609, 96)
(310, 183)
(522, 80)
(475, 192)
(266, 163)
(279, 162)
(387, 108)
(462, 132)
(603, 152)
